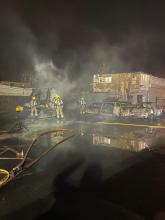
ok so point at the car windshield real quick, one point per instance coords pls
(107, 108)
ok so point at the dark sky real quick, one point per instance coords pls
(80, 35)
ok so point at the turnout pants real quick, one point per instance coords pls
(82, 109)
(34, 111)
(59, 112)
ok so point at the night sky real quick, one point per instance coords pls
(78, 36)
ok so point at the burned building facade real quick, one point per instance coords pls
(134, 87)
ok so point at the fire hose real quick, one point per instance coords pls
(13, 129)
(22, 166)
(6, 175)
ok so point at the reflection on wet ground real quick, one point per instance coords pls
(126, 138)
(112, 149)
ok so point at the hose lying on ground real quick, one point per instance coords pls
(5, 176)
(22, 166)
(14, 129)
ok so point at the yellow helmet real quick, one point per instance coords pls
(33, 98)
(56, 97)
(18, 108)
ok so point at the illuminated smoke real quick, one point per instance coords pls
(47, 75)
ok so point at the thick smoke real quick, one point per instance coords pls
(17, 46)
(78, 37)
(47, 75)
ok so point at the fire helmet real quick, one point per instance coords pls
(56, 97)
(33, 98)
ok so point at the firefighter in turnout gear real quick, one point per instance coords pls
(58, 106)
(82, 105)
(33, 105)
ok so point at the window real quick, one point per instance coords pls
(108, 79)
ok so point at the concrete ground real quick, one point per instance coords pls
(104, 172)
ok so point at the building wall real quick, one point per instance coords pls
(8, 90)
(157, 93)
(157, 82)
(116, 82)
(136, 86)
(154, 87)
(102, 82)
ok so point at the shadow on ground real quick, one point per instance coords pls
(91, 199)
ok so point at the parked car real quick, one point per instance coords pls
(145, 110)
(111, 108)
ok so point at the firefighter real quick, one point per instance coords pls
(82, 105)
(58, 106)
(53, 102)
(33, 105)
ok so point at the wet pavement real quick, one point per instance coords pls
(117, 169)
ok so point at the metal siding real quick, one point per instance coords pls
(6, 90)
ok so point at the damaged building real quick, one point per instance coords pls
(134, 87)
